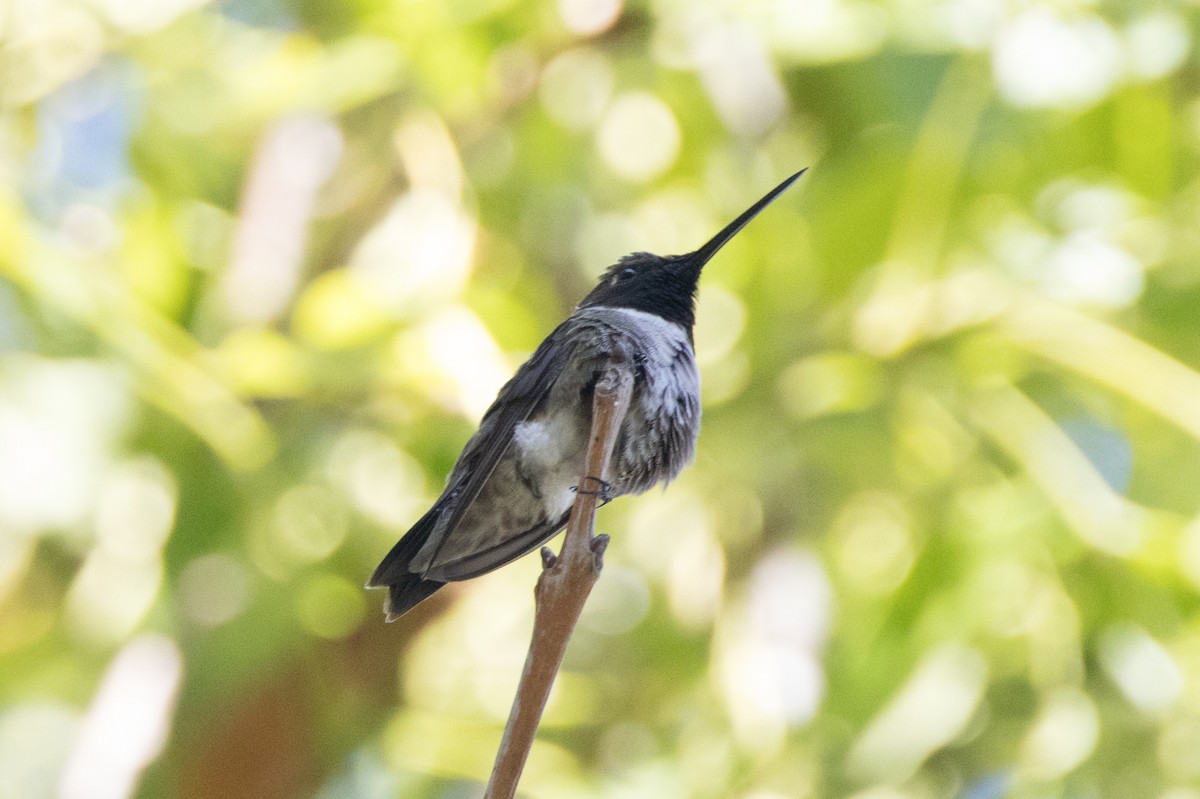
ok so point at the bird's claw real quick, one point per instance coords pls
(604, 491)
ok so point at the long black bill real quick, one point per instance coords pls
(701, 256)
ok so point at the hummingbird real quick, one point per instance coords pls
(513, 486)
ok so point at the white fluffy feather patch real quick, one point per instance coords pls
(532, 438)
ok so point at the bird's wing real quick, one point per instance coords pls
(517, 400)
(394, 566)
(504, 551)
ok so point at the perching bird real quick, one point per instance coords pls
(515, 481)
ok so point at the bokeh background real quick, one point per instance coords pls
(264, 263)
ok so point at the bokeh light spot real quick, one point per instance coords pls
(121, 576)
(294, 159)
(739, 77)
(720, 320)
(127, 722)
(136, 509)
(769, 648)
(419, 255)
(589, 17)
(576, 86)
(639, 137)
(143, 16)
(35, 739)
(453, 359)
(873, 543)
(310, 523)
(214, 589)
(1087, 269)
(1043, 60)
(618, 603)
(382, 481)
(53, 448)
(263, 363)
(1142, 668)
(725, 379)
(1157, 44)
(1063, 735)
(929, 710)
(337, 310)
(830, 382)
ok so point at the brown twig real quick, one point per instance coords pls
(565, 582)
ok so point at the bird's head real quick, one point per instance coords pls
(665, 285)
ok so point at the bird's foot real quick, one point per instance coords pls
(604, 491)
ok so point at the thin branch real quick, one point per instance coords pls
(565, 582)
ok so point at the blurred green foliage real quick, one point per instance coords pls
(263, 263)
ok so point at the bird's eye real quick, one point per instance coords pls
(622, 276)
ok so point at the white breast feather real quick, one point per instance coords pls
(534, 441)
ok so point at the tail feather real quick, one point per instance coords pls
(407, 594)
(405, 589)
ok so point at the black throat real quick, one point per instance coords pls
(661, 285)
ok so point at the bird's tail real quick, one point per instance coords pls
(406, 594)
(405, 589)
